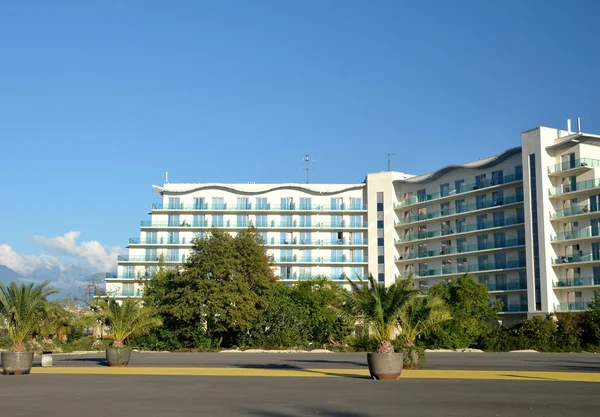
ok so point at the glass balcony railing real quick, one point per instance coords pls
(258, 207)
(125, 293)
(565, 166)
(462, 209)
(270, 225)
(128, 258)
(581, 257)
(572, 306)
(316, 260)
(126, 276)
(507, 179)
(573, 211)
(506, 286)
(569, 188)
(575, 234)
(318, 242)
(463, 269)
(450, 250)
(342, 277)
(513, 307)
(161, 241)
(508, 221)
(576, 282)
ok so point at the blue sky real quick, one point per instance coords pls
(99, 99)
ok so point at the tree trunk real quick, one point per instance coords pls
(18, 347)
(385, 346)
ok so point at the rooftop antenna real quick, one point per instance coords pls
(390, 160)
(578, 124)
(307, 160)
(167, 177)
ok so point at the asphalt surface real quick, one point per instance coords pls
(561, 362)
(149, 396)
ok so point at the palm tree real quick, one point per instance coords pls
(21, 309)
(421, 316)
(378, 307)
(127, 319)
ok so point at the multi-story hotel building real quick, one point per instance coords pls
(524, 222)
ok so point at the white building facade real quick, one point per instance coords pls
(524, 222)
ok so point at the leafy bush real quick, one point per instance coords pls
(76, 332)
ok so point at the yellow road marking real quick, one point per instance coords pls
(416, 374)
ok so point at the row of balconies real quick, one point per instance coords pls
(278, 260)
(465, 208)
(507, 179)
(269, 242)
(463, 269)
(465, 228)
(242, 225)
(571, 188)
(258, 207)
(450, 250)
(574, 234)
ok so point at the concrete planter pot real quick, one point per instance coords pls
(17, 363)
(385, 365)
(118, 356)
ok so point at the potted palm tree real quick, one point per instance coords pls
(21, 308)
(379, 308)
(421, 316)
(123, 320)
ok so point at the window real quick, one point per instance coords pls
(173, 255)
(261, 220)
(261, 203)
(337, 273)
(242, 203)
(199, 203)
(305, 220)
(337, 255)
(286, 272)
(285, 255)
(173, 220)
(459, 206)
(174, 203)
(242, 220)
(151, 254)
(519, 172)
(497, 177)
(498, 218)
(481, 220)
(217, 220)
(336, 220)
(421, 195)
(444, 189)
(445, 209)
(357, 271)
(336, 203)
(480, 201)
(305, 272)
(173, 237)
(356, 221)
(497, 198)
(459, 185)
(286, 220)
(480, 181)
(305, 203)
(356, 203)
(305, 238)
(218, 203)
(287, 203)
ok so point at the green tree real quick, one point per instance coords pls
(284, 323)
(21, 308)
(473, 317)
(591, 324)
(422, 316)
(316, 296)
(377, 307)
(56, 323)
(127, 319)
(221, 290)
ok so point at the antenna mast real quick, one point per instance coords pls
(390, 160)
(307, 160)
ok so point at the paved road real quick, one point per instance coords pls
(572, 362)
(166, 396)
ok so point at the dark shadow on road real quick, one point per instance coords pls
(304, 412)
(577, 366)
(530, 377)
(297, 368)
(328, 361)
(98, 361)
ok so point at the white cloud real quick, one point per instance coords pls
(26, 264)
(92, 253)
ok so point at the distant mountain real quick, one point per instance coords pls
(7, 275)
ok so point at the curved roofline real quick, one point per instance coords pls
(227, 187)
(486, 163)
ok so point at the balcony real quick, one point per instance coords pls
(575, 234)
(317, 260)
(464, 269)
(490, 224)
(161, 241)
(128, 258)
(298, 277)
(513, 199)
(573, 211)
(318, 242)
(576, 164)
(576, 258)
(507, 286)
(126, 276)
(257, 207)
(125, 293)
(510, 243)
(514, 308)
(572, 306)
(574, 188)
(576, 282)
(270, 225)
(507, 179)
